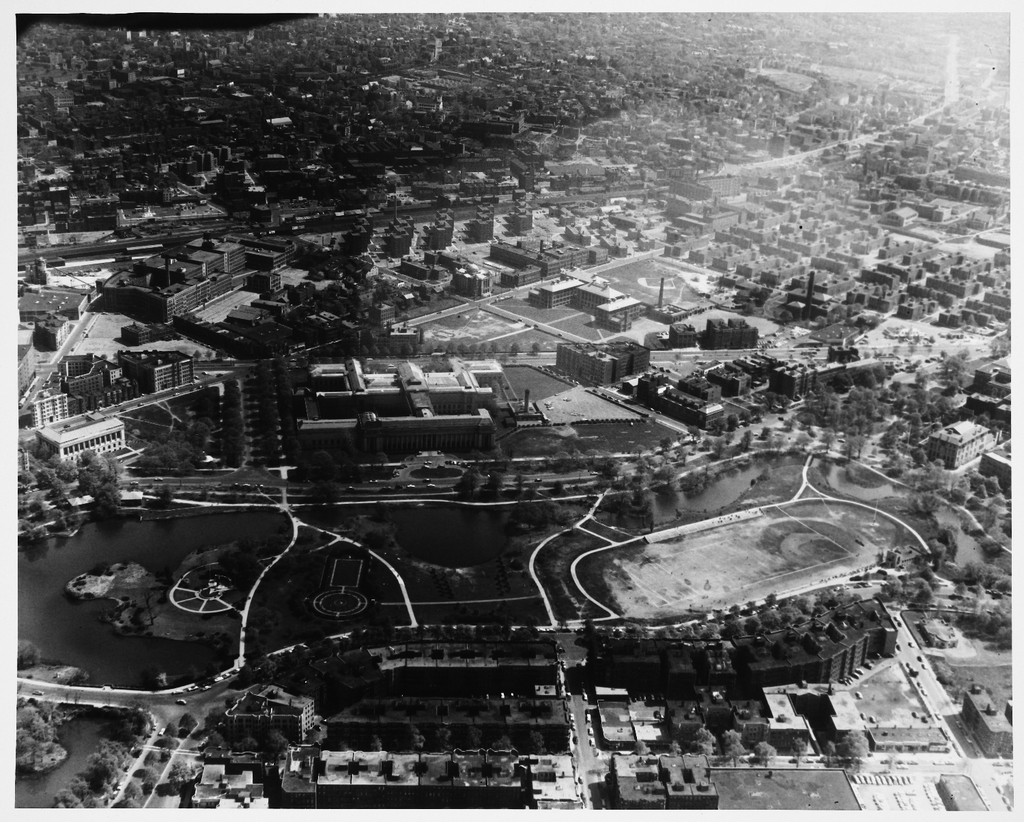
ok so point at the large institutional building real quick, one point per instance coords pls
(958, 444)
(601, 366)
(93, 432)
(400, 409)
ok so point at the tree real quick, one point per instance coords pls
(104, 767)
(853, 747)
(375, 744)
(149, 780)
(474, 738)
(764, 753)
(641, 749)
(186, 724)
(180, 774)
(502, 743)
(537, 743)
(28, 654)
(414, 739)
(732, 746)
(468, 483)
(829, 753)
(443, 738)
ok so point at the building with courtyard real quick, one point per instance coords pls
(400, 409)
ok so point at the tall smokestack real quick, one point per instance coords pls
(661, 293)
(810, 294)
(526, 401)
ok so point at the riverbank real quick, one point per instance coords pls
(57, 674)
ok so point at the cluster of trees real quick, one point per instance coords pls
(274, 410)
(695, 483)
(536, 515)
(178, 451)
(324, 470)
(102, 771)
(242, 566)
(28, 654)
(36, 738)
(232, 430)
(98, 478)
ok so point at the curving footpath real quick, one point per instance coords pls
(240, 659)
(533, 559)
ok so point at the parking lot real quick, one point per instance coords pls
(887, 696)
(577, 405)
(896, 792)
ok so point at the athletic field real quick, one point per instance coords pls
(780, 551)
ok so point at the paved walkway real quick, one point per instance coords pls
(533, 558)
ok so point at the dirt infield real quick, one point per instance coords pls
(784, 549)
(641, 280)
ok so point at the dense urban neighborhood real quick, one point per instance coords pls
(522, 411)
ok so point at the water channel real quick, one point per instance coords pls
(80, 737)
(722, 492)
(836, 476)
(448, 535)
(69, 632)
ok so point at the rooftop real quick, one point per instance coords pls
(788, 790)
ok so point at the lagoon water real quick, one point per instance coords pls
(80, 737)
(70, 632)
(448, 535)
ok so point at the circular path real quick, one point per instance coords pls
(339, 603)
(195, 595)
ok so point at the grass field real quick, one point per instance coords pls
(996, 679)
(780, 551)
(481, 327)
(540, 385)
(616, 438)
(642, 281)
(552, 568)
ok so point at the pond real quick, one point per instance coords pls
(448, 535)
(722, 492)
(80, 737)
(69, 632)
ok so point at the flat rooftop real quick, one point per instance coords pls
(788, 790)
